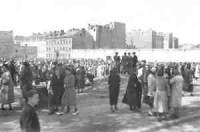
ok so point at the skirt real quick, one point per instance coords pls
(161, 102)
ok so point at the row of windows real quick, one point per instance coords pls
(59, 41)
(58, 48)
(60, 55)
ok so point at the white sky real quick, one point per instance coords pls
(182, 17)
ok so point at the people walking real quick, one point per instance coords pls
(114, 88)
(134, 93)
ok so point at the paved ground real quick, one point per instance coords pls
(95, 116)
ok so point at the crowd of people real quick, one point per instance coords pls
(159, 85)
(62, 79)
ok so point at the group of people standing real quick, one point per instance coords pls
(126, 63)
(160, 86)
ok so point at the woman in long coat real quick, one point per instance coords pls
(176, 93)
(114, 87)
(151, 83)
(161, 95)
(188, 76)
(7, 90)
(69, 96)
(134, 92)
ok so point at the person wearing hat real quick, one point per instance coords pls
(7, 90)
(13, 71)
(124, 63)
(130, 64)
(117, 61)
(29, 121)
(69, 96)
(26, 79)
(80, 76)
(134, 61)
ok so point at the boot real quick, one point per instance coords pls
(68, 109)
(2, 107)
(116, 108)
(10, 107)
(75, 111)
(112, 109)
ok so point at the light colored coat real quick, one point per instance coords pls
(7, 90)
(176, 91)
(161, 95)
(151, 82)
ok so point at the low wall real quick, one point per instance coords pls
(149, 55)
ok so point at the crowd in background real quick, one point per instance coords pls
(160, 85)
(62, 79)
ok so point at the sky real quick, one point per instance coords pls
(182, 17)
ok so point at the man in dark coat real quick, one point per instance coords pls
(117, 61)
(29, 121)
(134, 62)
(114, 87)
(125, 63)
(26, 79)
(188, 77)
(130, 63)
(80, 78)
(57, 90)
(13, 72)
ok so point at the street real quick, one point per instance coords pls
(95, 116)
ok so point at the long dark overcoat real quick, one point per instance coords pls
(114, 88)
(29, 121)
(57, 85)
(134, 92)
